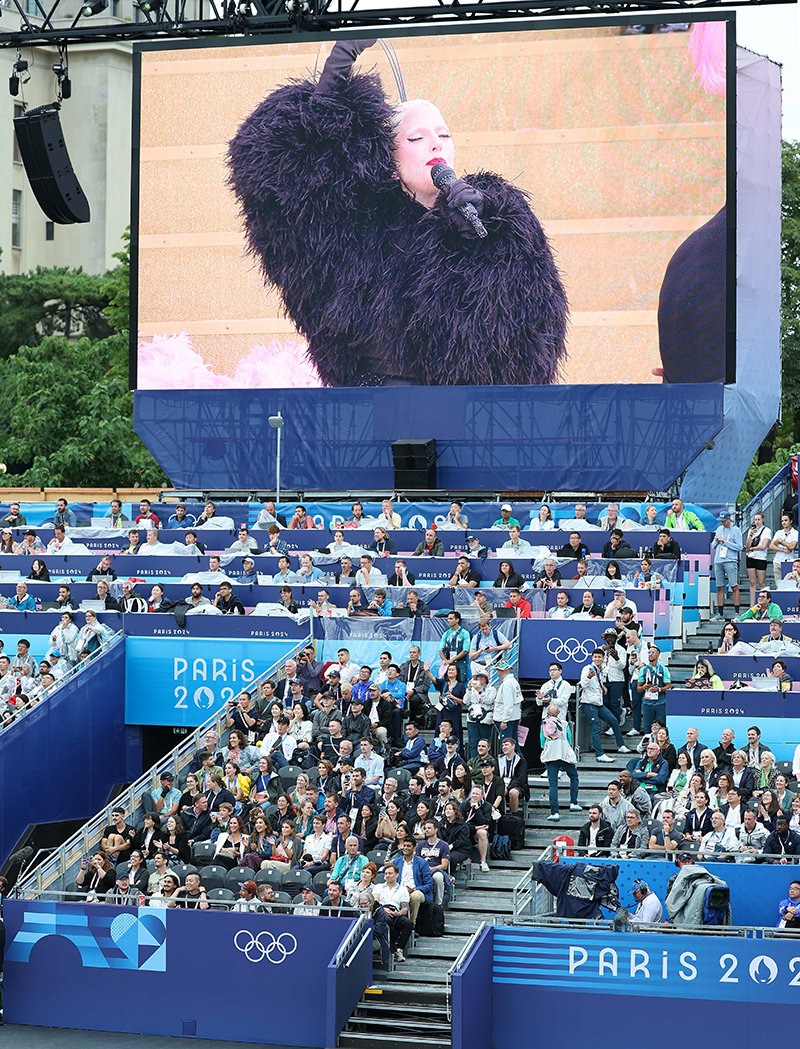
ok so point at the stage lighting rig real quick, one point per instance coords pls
(19, 75)
(94, 7)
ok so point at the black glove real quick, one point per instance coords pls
(459, 193)
(340, 60)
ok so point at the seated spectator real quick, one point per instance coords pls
(133, 542)
(779, 672)
(388, 517)
(617, 546)
(766, 776)
(752, 837)
(549, 577)
(652, 771)
(431, 546)
(117, 838)
(595, 835)
(226, 601)
(409, 757)
(617, 603)
(284, 575)
(731, 806)
(301, 519)
(39, 571)
(764, 608)
(22, 601)
(742, 776)
(782, 842)
(307, 572)
(507, 576)
(464, 575)
(109, 603)
(368, 575)
(698, 819)
(382, 545)
(667, 837)
(521, 607)
(789, 909)
(13, 519)
(515, 546)
(33, 544)
(589, 608)
(380, 603)
(180, 519)
(635, 793)
(148, 837)
(349, 866)
(561, 609)
(703, 676)
(401, 575)
(719, 840)
(269, 515)
(96, 876)
(708, 767)
(644, 577)
(665, 547)
(631, 839)
(346, 576)
(146, 518)
(334, 903)
(574, 547)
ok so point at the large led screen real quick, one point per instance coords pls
(311, 214)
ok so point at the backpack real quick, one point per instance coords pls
(514, 826)
(430, 920)
(501, 847)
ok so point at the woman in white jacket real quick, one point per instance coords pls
(65, 639)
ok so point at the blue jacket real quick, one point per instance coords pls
(423, 878)
(409, 755)
(661, 769)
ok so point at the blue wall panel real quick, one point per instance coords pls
(515, 437)
(60, 761)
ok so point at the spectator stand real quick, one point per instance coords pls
(15, 712)
(710, 712)
(60, 869)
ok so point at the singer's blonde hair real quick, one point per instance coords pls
(399, 111)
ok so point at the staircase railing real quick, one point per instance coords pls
(59, 866)
(529, 899)
(458, 964)
(770, 500)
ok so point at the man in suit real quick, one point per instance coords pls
(692, 748)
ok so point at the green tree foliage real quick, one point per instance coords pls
(786, 438)
(66, 413)
(57, 301)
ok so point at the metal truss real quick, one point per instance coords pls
(53, 22)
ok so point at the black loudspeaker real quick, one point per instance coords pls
(414, 464)
(48, 167)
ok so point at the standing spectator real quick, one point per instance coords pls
(63, 514)
(555, 691)
(437, 853)
(756, 548)
(592, 697)
(558, 756)
(652, 684)
(784, 545)
(146, 518)
(508, 702)
(727, 545)
(479, 700)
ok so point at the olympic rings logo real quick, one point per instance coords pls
(275, 949)
(570, 648)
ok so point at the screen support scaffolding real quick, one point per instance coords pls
(53, 21)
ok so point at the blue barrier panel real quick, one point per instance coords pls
(567, 988)
(745, 668)
(570, 643)
(60, 761)
(154, 624)
(543, 438)
(777, 714)
(129, 970)
(788, 600)
(181, 681)
(346, 983)
(753, 632)
(472, 996)
(756, 888)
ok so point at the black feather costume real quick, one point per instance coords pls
(383, 289)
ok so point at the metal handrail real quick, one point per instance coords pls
(352, 936)
(83, 840)
(670, 854)
(59, 895)
(71, 674)
(524, 895)
(607, 924)
(457, 964)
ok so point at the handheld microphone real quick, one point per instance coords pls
(443, 178)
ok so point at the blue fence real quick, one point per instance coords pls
(60, 761)
(129, 970)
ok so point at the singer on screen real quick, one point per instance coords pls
(396, 271)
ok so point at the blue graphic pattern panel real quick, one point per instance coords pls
(134, 938)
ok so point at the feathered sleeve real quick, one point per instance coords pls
(308, 170)
(490, 311)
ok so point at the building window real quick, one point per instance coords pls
(49, 231)
(19, 110)
(16, 218)
(32, 8)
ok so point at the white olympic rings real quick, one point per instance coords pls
(570, 648)
(275, 949)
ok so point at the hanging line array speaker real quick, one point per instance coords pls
(48, 167)
(414, 464)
